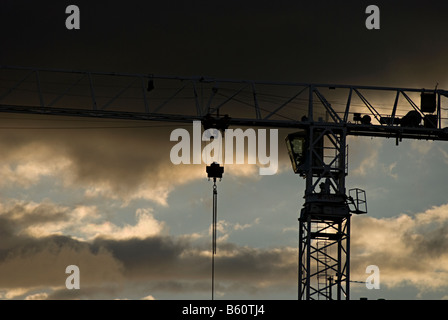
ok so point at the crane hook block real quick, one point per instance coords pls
(214, 171)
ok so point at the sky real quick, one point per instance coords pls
(104, 195)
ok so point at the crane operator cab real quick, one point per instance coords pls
(298, 145)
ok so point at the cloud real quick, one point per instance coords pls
(12, 293)
(35, 250)
(101, 291)
(142, 258)
(421, 146)
(367, 159)
(388, 170)
(247, 225)
(225, 228)
(445, 155)
(123, 164)
(45, 219)
(40, 263)
(161, 264)
(407, 249)
(27, 165)
(146, 226)
(37, 296)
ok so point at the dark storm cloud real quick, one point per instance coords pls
(155, 257)
(29, 262)
(159, 258)
(433, 244)
(107, 266)
(124, 163)
(117, 161)
(319, 41)
(16, 217)
(20, 216)
(110, 268)
(169, 265)
(40, 263)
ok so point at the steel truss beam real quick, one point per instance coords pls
(248, 103)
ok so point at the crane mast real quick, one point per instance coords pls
(323, 116)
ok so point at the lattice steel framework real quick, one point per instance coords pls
(324, 223)
(324, 252)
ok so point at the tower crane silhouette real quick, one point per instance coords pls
(323, 116)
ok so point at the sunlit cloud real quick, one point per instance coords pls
(407, 249)
(146, 226)
(368, 156)
(37, 296)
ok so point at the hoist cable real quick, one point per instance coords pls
(214, 232)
